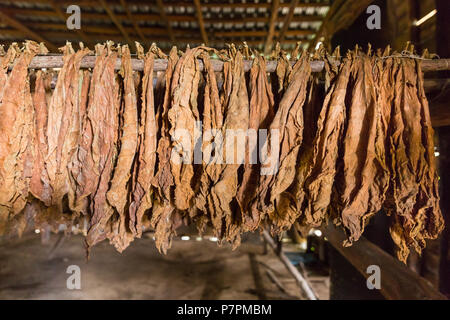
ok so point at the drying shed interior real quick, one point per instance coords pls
(285, 51)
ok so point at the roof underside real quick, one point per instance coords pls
(179, 24)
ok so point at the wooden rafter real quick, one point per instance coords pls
(163, 15)
(116, 21)
(25, 30)
(288, 20)
(201, 24)
(133, 21)
(273, 19)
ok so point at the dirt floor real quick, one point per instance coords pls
(194, 269)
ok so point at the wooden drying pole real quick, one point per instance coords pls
(56, 61)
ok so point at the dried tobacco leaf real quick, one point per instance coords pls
(63, 125)
(16, 132)
(145, 166)
(117, 197)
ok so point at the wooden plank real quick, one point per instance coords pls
(163, 15)
(9, 20)
(288, 19)
(116, 21)
(271, 32)
(201, 24)
(133, 21)
(397, 280)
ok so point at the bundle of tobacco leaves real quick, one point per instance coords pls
(236, 150)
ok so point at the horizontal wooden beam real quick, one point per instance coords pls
(398, 282)
(56, 61)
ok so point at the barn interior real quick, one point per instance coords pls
(289, 265)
